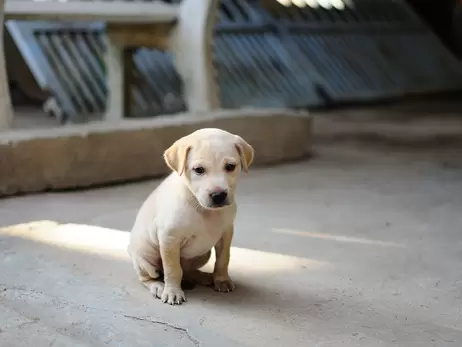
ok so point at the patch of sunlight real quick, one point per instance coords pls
(244, 259)
(299, 3)
(285, 3)
(86, 238)
(326, 4)
(338, 4)
(312, 3)
(113, 243)
(338, 238)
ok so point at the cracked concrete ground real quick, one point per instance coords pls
(355, 247)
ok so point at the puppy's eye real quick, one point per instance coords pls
(230, 167)
(199, 170)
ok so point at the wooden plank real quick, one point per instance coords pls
(118, 12)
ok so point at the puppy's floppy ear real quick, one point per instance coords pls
(245, 151)
(176, 155)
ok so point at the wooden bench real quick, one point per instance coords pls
(184, 29)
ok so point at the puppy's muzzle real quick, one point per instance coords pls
(219, 199)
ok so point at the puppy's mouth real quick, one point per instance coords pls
(210, 205)
(213, 206)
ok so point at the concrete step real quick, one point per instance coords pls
(431, 123)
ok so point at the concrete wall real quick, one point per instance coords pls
(101, 153)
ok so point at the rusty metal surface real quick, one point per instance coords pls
(290, 57)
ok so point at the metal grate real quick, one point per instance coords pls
(76, 57)
(301, 57)
(291, 57)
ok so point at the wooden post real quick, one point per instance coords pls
(6, 111)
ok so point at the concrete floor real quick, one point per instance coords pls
(32, 117)
(356, 247)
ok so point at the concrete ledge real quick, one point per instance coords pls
(101, 153)
(424, 125)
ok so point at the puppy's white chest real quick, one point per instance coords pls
(203, 237)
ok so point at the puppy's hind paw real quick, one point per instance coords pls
(156, 288)
(223, 285)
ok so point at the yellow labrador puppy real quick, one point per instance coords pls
(191, 212)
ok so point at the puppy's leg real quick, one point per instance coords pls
(221, 280)
(192, 272)
(173, 274)
(149, 275)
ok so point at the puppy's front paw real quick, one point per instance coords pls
(223, 284)
(173, 296)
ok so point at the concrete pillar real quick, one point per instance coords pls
(119, 82)
(192, 46)
(6, 110)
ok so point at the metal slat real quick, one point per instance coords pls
(58, 66)
(85, 47)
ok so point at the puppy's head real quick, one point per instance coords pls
(209, 161)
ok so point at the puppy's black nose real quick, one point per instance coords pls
(218, 198)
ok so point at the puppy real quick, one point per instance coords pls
(189, 213)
